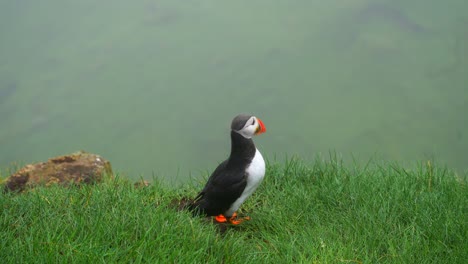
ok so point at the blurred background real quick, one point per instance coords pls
(152, 85)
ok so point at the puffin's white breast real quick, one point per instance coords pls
(255, 174)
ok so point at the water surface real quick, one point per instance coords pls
(152, 85)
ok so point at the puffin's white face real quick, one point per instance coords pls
(253, 126)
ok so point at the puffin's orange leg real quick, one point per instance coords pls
(233, 220)
(220, 219)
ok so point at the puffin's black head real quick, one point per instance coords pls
(247, 125)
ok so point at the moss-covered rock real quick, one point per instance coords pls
(77, 168)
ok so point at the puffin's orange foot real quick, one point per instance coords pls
(220, 219)
(236, 221)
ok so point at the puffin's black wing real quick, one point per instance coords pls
(224, 186)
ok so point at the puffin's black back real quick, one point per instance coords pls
(228, 181)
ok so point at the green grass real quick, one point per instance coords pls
(318, 213)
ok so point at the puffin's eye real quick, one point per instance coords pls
(253, 122)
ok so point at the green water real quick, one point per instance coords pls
(152, 85)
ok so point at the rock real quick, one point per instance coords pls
(77, 168)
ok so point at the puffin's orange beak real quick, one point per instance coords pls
(261, 127)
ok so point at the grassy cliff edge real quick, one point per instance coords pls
(324, 212)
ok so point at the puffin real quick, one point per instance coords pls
(236, 178)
